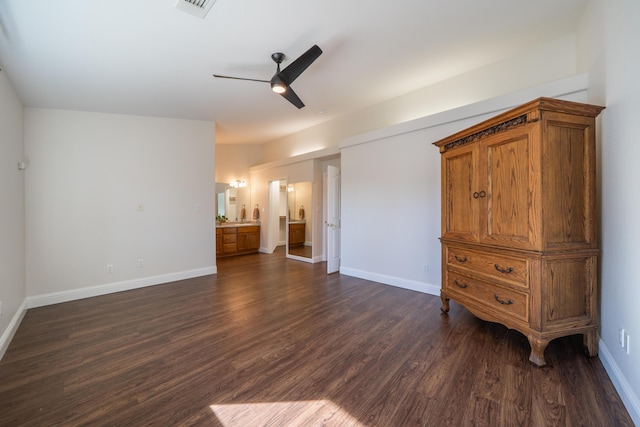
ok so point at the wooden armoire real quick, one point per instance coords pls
(519, 241)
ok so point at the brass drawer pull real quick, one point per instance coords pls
(460, 285)
(460, 258)
(503, 270)
(503, 302)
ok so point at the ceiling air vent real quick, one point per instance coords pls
(198, 8)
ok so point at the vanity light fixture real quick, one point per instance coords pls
(238, 184)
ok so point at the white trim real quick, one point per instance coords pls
(109, 288)
(624, 389)
(555, 89)
(11, 329)
(412, 285)
(300, 258)
(319, 154)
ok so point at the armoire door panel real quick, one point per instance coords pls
(511, 179)
(461, 219)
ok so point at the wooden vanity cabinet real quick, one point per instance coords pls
(248, 239)
(237, 240)
(218, 241)
(229, 241)
(297, 234)
(519, 242)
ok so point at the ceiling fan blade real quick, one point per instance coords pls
(240, 78)
(291, 96)
(296, 68)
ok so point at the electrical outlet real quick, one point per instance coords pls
(140, 207)
(425, 268)
(109, 268)
(140, 263)
(621, 337)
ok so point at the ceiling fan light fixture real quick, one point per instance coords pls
(278, 86)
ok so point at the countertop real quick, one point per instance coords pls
(238, 224)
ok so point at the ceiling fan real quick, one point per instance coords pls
(281, 80)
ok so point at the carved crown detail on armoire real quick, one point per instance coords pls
(519, 241)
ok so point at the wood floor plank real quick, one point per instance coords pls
(271, 341)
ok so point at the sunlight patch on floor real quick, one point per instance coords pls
(302, 413)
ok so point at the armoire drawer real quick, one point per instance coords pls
(498, 266)
(496, 297)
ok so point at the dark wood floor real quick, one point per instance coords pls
(276, 342)
(301, 250)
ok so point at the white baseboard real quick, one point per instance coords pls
(109, 288)
(393, 281)
(300, 258)
(8, 334)
(628, 396)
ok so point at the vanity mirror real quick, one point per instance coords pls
(299, 220)
(230, 202)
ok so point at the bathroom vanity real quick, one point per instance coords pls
(237, 238)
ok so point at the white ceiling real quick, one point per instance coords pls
(145, 57)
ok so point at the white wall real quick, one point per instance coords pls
(234, 160)
(12, 228)
(87, 174)
(390, 191)
(609, 42)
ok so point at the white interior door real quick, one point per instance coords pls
(333, 219)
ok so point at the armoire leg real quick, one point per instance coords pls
(538, 346)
